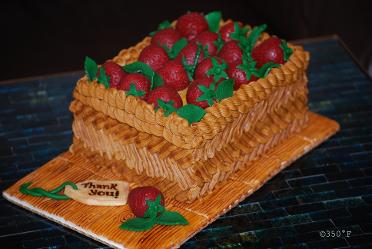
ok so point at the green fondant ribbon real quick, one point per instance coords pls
(53, 194)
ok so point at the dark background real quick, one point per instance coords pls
(41, 37)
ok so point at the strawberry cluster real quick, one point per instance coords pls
(197, 57)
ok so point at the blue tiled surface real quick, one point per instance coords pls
(329, 190)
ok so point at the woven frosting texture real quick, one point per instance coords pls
(142, 116)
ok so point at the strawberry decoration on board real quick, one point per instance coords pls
(174, 75)
(115, 72)
(135, 84)
(212, 67)
(231, 53)
(191, 24)
(271, 50)
(154, 56)
(137, 199)
(148, 205)
(166, 37)
(205, 92)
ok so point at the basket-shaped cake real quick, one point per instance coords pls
(190, 159)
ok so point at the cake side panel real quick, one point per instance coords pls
(118, 141)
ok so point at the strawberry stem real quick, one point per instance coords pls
(168, 107)
(134, 92)
(208, 93)
(217, 70)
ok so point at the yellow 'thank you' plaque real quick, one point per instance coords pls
(99, 193)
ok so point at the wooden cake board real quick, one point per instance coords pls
(102, 223)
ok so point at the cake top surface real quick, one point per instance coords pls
(191, 78)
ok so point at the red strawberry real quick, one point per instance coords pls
(268, 50)
(203, 67)
(239, 76)
(166, 37)
(191, 24)
(207, 39)
(231, 53)
(194, 92)
(166, 94)
(115, 72)
(135, 84)
(154, 56)
(174, 75)
(189, 53)
(138, 196)
(227, 29)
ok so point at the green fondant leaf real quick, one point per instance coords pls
(219, 42)
(163, 25)
(225, 89)
(138, 67)
(90, 68)
(134, 92)
(213, 19)
(253, 37)
(287, 51)
(143, 68)
(168, 107)
(196, 59)
(138, 224)
(176, 49)
(205, 51)
(248, 66)
(266, 68)
(188, 68)
(103, 78)
(239, 34)
(191, 113)
(171, 218)
(156, 81)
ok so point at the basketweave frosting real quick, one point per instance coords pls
(142, 116)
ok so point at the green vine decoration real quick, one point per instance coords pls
(53, 194)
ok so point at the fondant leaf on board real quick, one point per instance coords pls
(138, 224)
(171, 219)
